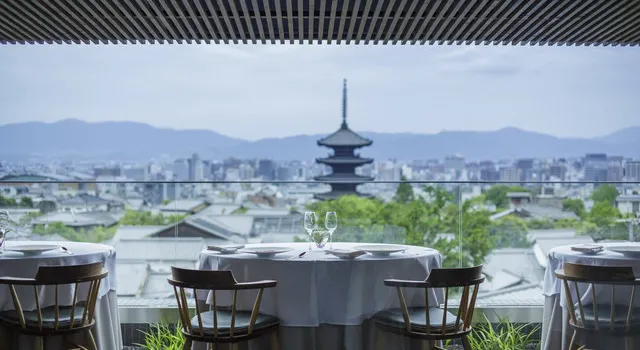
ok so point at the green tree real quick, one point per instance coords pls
(7, 202)
(416, 222)
(498, 195)
(26, 202)
(603, 214)
(404, 193)
(574, 205)
(510, 232)
(605, 193)
(139, 218)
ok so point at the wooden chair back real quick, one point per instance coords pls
(91, 274)
(194, 280)
(603, 276)
(468, 278)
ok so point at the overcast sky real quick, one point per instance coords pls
(272, 91)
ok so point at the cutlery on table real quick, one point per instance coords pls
(64, 249)
(298, 256)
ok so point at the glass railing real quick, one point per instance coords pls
(508, 227)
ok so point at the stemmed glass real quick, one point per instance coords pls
(331, 223)
(310, 224)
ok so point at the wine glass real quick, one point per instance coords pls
(331, 223)
(310, 224)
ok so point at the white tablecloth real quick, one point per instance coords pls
(556, 332)
(15, 264)
(323, 289)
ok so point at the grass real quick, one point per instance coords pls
(505, 336)
(162, 337)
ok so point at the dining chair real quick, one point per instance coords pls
(613, 319)
(432, 324)
(57, 319)
(220, 325)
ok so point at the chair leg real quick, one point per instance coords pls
(92, 341)
(379, 340)
(573, 340)
(466, 345)
(432, 345)
(187, 344)
(275, 342)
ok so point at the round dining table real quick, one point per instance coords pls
(556, 332)
(323, 301)
(17, 264)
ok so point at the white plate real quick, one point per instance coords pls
(33, 249)
(587, 248)
(345, 253)
(381, 249)
(266, 252)
(629, 250)
(225, 249)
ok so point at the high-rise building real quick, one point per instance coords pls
(595, 167)
(509, 174)
(454, 162)
(181, 169)
(267, 169)
(195, 168)
(343, 161)
(632, 170)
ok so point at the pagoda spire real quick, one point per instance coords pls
(344, 104)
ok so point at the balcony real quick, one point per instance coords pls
(510, 228)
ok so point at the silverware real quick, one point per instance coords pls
(299, 255)
(64, 249)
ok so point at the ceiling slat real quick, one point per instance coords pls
(531, 22)
(374, 21)
(84, 6)
(138, 19)
(602, 17)
(227, 22)
(332, 20)
(416, 20)
(209, 33)
(385, 20)
(110, 12)
(222, 35)
(343, 18)
(436, 22)
(155, 22)
(280, 33)
(247, 20)
(363, 21)
(185, 22)
(37, 29)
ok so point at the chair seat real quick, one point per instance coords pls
(241, 324)
(417, 317)
(12, 317)
(604, 315)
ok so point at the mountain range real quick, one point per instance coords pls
(75, 139)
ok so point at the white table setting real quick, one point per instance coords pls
(22, 259)
(556, 332)
(325, 297)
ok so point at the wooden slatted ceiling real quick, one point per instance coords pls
(526, 22)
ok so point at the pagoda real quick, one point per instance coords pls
(344, 160)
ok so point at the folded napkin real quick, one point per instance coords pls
(345, 253)
(225, 248)
(587, 248)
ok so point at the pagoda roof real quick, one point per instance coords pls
(337, 194)
(344, 137)
(344, 160)
(343, 178)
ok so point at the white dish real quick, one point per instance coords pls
(345, 253)
(266, 252)
(33, 249)
(381, 249)
(587, 248)
(225, 249)
(630, 250)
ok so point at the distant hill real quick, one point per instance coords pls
(127, 140)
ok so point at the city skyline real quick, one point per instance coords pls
(562, 91)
